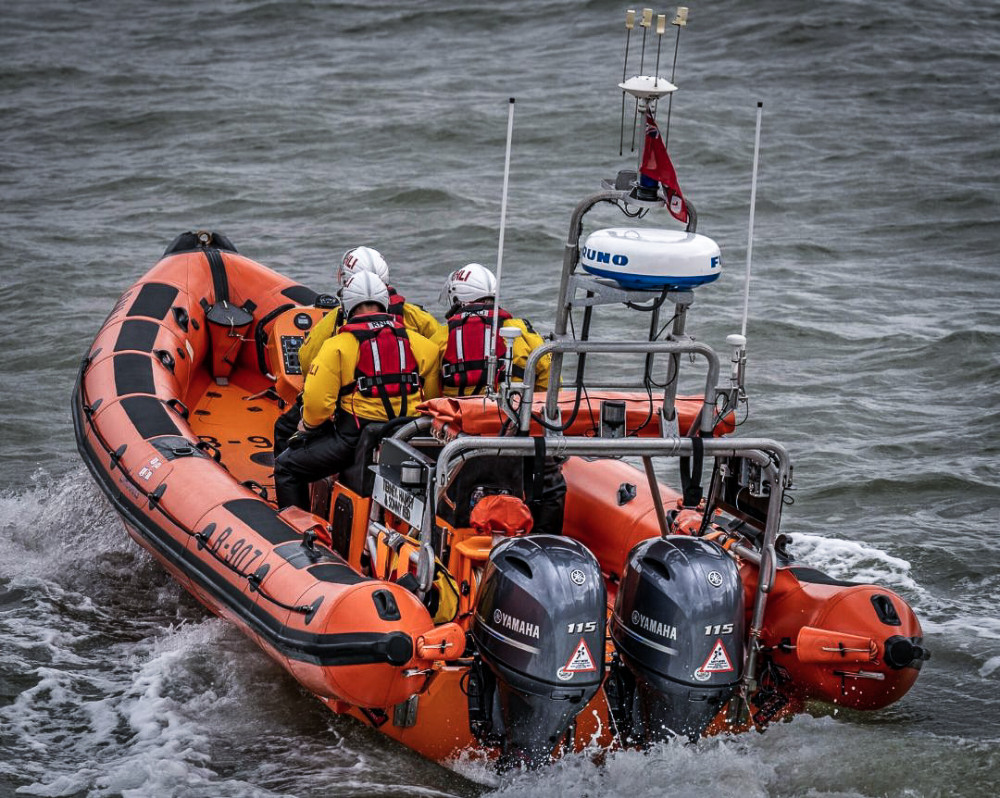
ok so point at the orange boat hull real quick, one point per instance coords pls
(174, 418)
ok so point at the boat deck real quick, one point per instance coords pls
(238, 420)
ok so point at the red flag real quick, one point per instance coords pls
(656, 165)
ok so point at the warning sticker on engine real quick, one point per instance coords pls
(580, 662)
(718, 662)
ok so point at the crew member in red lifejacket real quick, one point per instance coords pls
(373, 369)
(414, 317)
(366, 259)
(471, 294)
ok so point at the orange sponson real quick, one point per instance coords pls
(830, 637)
(827, 635)
(478, 415)
(170, 446)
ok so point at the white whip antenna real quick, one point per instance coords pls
(629, 25)
(753, 205)
(492, 361)
(679, 21)
(644, 22)
(661, 27)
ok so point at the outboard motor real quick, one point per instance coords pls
(678, 630)
(540, 630)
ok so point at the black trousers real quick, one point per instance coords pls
(325, 451)
(286, 425)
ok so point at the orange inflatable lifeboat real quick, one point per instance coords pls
(173, 411)
(415, 597)
(418, 596)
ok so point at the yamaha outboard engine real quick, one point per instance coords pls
(678, 630)
(540, 630)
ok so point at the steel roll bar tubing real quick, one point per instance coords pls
(616, 347)
(419, 425)
(770, 455)
(571, 256)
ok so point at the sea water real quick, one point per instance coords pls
(302, 129)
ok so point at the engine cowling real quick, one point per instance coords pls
(540, 629)
(678, 628)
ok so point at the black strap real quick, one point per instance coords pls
(376, 382)
(691, 473)
(220, 281)
(481, 382)
(538, 469)
(461, 369)
(386, 404)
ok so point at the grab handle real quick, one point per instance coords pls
(178, 407)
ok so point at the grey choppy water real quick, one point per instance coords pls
(300, 129)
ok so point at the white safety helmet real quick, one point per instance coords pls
(362, 259)
(473, 281)
(363, 287)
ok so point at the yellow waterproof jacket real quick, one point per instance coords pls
(523, 346)
(414, 318)
(334, 367)
(418, 319)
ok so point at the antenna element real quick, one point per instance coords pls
(492, 360)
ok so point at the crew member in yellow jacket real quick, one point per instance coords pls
(414, 317)
(366, 259)
(471, 294)
(373, 369)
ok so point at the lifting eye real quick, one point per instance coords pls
(181, 317)
(165, 358)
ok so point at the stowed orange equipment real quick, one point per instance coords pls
(501, 514)
(477, 415)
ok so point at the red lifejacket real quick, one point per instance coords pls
(466, 355)
(396, 303)
(386, 366)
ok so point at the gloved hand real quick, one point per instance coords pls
(303, 432)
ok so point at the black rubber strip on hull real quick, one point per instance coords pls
(154, 301)
(319, 649)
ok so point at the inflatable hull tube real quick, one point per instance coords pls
(343, 635)
(649, 259)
